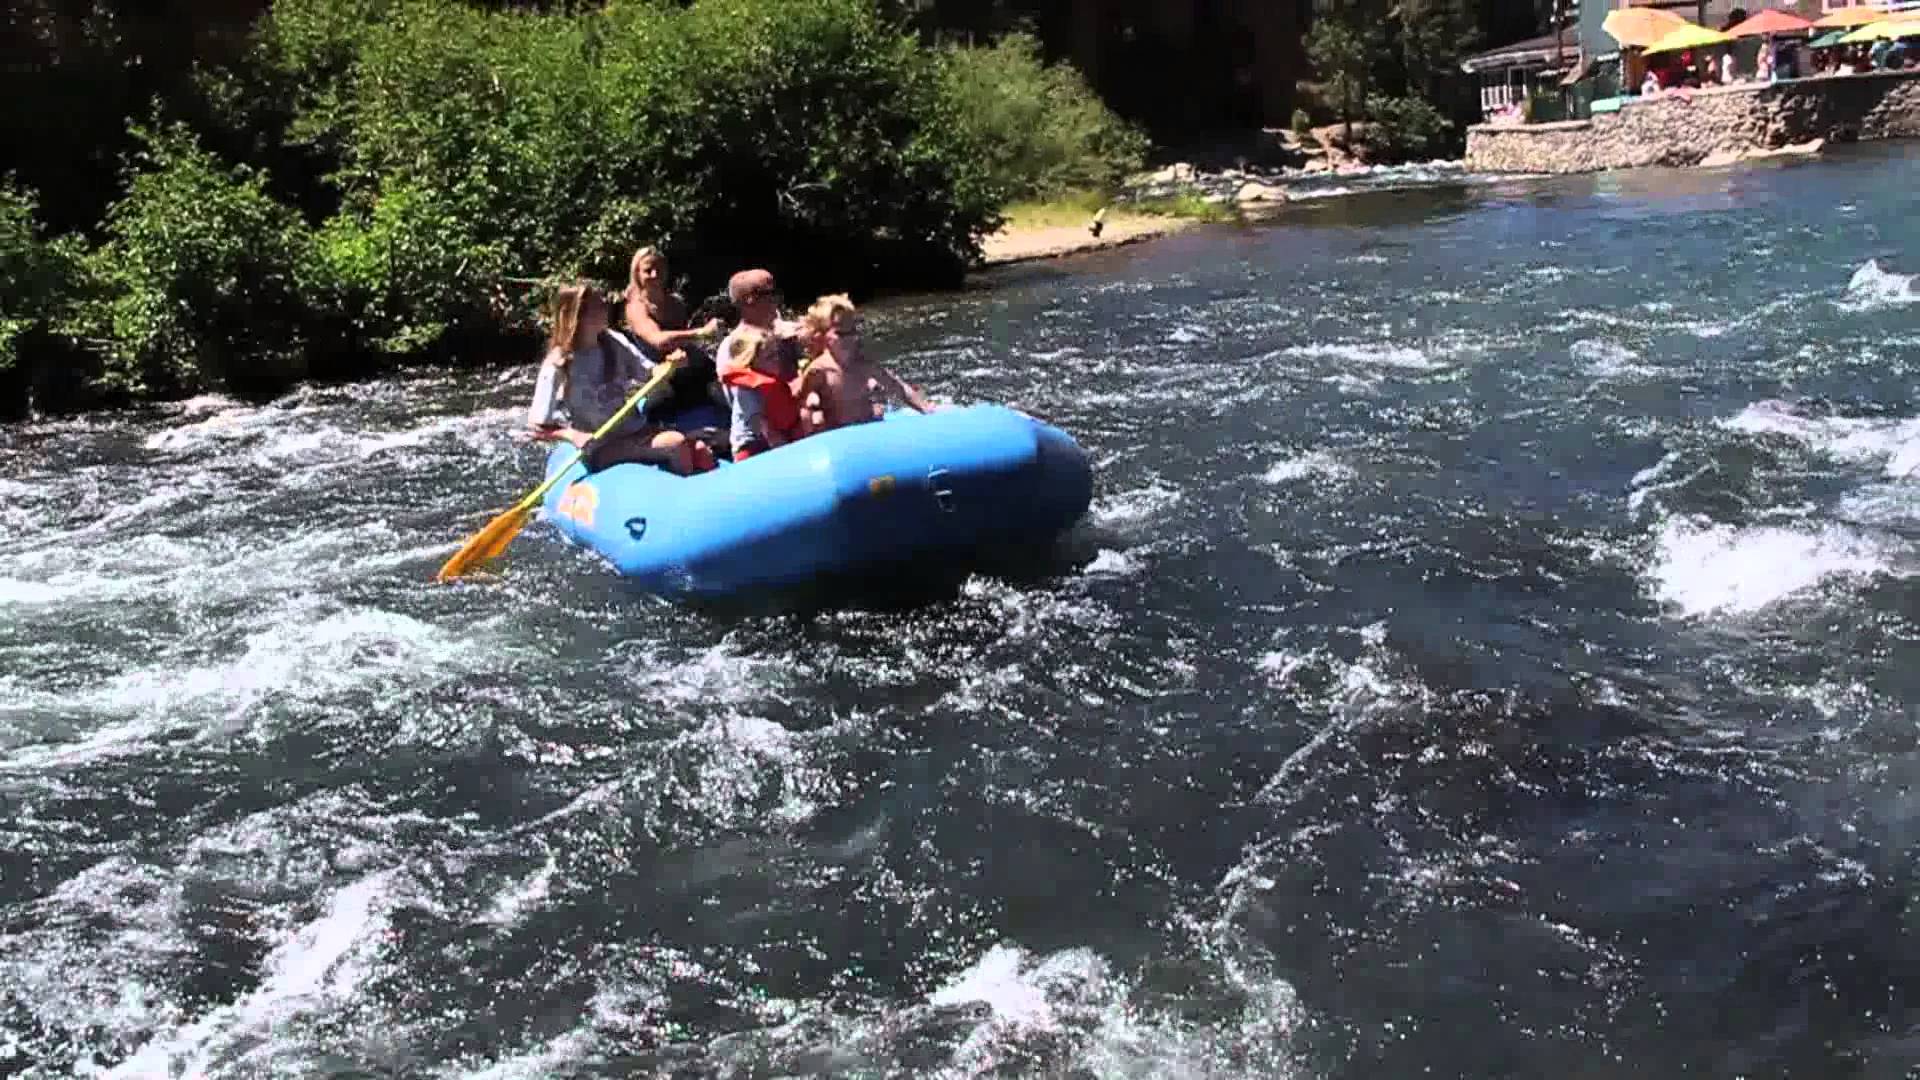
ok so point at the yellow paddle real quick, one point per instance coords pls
(488, 543)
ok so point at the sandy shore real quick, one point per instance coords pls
(1015, 245)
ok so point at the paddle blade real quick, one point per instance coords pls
(487, 544)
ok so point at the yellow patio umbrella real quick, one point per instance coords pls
(1637, 28)
(1886, 28)
(1852, 16)
(1687, 37)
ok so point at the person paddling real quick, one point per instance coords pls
(587, 374)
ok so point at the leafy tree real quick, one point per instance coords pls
(199, 264)
(1040, 128)
(1343, 49)
(1432, 37)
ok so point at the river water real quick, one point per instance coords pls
(1487, 655)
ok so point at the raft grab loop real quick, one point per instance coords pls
(941, 483)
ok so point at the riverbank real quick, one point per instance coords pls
(1185, 195)
(1022, 242)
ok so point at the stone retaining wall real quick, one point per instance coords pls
(1685, 128)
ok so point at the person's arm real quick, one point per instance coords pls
(662, 341)
(814, 386)
(543, 414)
(896, 387)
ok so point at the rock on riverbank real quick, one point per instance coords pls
(1253, 188)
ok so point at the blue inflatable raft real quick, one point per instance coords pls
(868, 498)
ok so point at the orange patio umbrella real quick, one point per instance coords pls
(1852, 16)
(1637, 28)
(1770, 21)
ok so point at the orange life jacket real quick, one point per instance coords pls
(776, 397)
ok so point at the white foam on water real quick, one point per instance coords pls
(305, 654)
(1314, 463)
(550, 1058)
(202, 404)
(1892, 504)
(1137, 507)
(527, 894)
(1349, 383)
(1609, 359)
(93, 961)
(1654, 479)
(1005, 980)
(1071, 1011)
(221, 422)
(1375, 354)
(1351, 693)
(746, 771)
(1874, 287)
(311, 969)
(195, 574)
(1895, 441)
(1702, 567)
(717, 675)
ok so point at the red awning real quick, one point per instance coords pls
(1770, 21)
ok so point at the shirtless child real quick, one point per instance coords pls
(840, 386)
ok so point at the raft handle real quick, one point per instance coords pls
(942, 494)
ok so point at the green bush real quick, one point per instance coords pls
(42, 284)
(416, 169)
(1038, 127)
(38, 277)
(1405, 129)
(473, 147)
(199, 270)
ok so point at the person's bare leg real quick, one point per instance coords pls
(667, 448)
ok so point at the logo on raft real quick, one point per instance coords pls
(578, 503)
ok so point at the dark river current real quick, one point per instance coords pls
(1492, 652)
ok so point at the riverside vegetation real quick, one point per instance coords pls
(360, 184)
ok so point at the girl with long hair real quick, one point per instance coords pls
(587, 375)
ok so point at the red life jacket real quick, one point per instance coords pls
(776, 397)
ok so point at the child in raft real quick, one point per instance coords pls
(765, 415)
(588, 373)
(840, 386)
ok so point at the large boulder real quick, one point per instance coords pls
(1255, 192)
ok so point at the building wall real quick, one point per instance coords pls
(1684, 129)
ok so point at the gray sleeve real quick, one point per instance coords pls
(545, 410)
